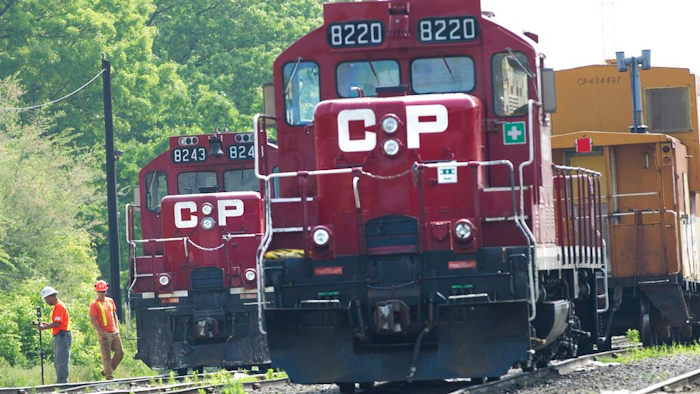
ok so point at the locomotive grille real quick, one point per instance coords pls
(387, 233)
(207, 278)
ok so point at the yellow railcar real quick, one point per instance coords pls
(650, 189)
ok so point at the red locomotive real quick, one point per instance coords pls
(432, 237)
(193, 286)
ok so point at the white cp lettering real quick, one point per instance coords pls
(185, 206)
(415, 127)
(226, 209)
(344, 118)
(229, 209)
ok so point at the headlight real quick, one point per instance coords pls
(207, 209)
(464, 230)
(391, 147)
(164, 280)
(208, 223)
(250, 275)
(321, 237)
(390, 124)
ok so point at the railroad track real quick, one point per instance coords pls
(527, 378)
(674, 384)
(153, 384)
(505, 383)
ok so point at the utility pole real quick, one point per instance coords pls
(112, 212)
(636, 84)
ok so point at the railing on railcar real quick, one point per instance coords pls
(579, 221)
(578, 213)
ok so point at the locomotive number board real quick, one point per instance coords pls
(241, 152)
(188, 155)
(447, 29)
(355, 34)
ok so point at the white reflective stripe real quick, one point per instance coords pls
(148, 295)
(174, 294)
(241, 290)
(504, 189)
(289, 199)
(289, 230)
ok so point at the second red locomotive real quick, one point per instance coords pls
(193, 280)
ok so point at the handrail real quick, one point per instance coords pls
(132, 257)
(532, 241)
(588, 215)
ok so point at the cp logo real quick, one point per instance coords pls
(185, 212)
(420, 119)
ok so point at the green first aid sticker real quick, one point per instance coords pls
(513, 133)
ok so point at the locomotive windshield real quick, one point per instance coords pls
(366, 75)
(197, 182)
(242, 180)
(301, 91)
(442, 75)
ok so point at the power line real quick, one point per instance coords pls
(53, 101)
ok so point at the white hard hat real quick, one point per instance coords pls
(47, 291)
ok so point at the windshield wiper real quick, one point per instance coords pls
(444, 60)
(522, 66)
(371, 67)
(292, 75)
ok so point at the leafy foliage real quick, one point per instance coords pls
(177, 68)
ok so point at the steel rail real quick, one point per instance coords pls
(527, 378)
(115, 386)
(673, 384)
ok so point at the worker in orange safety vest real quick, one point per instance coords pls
(103, 315)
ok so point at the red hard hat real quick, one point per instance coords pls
(101, 285)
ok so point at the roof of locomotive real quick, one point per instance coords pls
(345, 11)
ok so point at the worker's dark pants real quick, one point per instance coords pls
(61, 355)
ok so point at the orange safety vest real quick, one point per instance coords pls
(110, 306)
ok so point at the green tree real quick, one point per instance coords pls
(45, 183)
(229, 46)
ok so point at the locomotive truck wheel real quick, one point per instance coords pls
(478, 380)
(181, 371)
(366, 386)
(346, 388)
(686, 333)
(646, 335)
(605, 345)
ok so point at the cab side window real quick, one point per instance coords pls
(301, 92)
(510, 84)
(156, 189)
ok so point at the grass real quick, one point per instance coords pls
(24, 376)
(654, 352)
(21, 377)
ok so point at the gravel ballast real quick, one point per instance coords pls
(615, 378)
